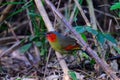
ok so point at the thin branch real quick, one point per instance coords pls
(10, 39)
(37, 52)
(110, 22)
(92, 14)
(11, 29)
(82, 13)
(47, 62)
(55, 15)
(44, 15)
(15, 27)
(6, 11)
(13, 47)
(72, 15)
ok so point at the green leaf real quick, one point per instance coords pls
(84, 54)
(90, 30)
(92, 61)
(75, 19)
(110, 38)
(25, 48)
(80, 1)
(18, 79)
(43, 52)
(7, 3)
(80, 29)
(73, 75)
(84, 37)
(3, 27)
(38, 44)
(23, 41)
(117, 49)
(115, 6)
(32, 38)
(100, 37)
(34, 14)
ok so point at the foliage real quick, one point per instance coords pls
(73, 75)
(101, 37)
(39, 37)
(25, 47)
(115, 6)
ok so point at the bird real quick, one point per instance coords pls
(61, 43)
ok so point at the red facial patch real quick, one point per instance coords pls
(51, 37)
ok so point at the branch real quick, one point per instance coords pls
(6, 11)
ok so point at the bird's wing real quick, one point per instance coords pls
(69, 43)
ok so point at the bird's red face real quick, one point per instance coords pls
(51, 36)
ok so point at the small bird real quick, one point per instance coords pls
(61, 43)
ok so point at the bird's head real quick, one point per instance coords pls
(51, 36)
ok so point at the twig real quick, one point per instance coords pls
(13, 47)
(47, 62)
(72, 14)
(91, 52)
(37, 52)
(82, 13)
(10, 39)
(14, 28)
(104, 13)
(11, 29)
(92, 14)
(6, 11)
(87, 74)
(55, 15)
(110, 22)
(92, 18)
(44, 15)
(99, 26)
(63, 66)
